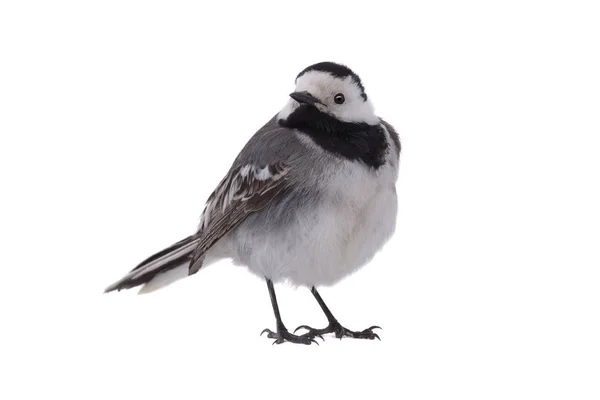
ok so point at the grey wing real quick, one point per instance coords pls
(262, 170)
(245, 189)
(258, 175)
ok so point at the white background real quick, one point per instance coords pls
(118, 118)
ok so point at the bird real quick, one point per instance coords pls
(309, 200)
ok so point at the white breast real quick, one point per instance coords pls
(355, 221)
(355, 216)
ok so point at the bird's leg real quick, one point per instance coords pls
(282, 334)
(334, 326)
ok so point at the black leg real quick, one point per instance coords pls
(275, 305)
(282, 334)
(324, 307)
(334, 326)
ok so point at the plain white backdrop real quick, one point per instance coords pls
(118, 118)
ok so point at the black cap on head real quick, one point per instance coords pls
(337, 70)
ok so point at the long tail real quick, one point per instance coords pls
(161, 268)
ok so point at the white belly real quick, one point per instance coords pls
(341, 244)
(326, 243)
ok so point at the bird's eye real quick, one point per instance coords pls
(339, 98)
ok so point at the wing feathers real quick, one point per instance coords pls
(244, 190)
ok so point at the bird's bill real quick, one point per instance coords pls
(305, 98)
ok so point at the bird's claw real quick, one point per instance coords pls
(270, 332)
(364, 334)
(283, 335)
(315, 332)
(303, 327)
(339, 331)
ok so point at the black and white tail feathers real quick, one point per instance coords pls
(177, 255)
(246, 188)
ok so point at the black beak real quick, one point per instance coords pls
(305, 98)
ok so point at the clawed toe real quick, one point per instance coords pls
(311, 332)
(308, 328)
(283, 335)
(340, 331)
(270, 333)
(365, 334)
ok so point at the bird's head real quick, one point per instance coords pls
(332, 89)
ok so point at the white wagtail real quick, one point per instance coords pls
(309, 199)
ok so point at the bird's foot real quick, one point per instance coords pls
(282, 335)
(339, 331)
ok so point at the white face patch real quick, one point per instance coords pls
(324, 87)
